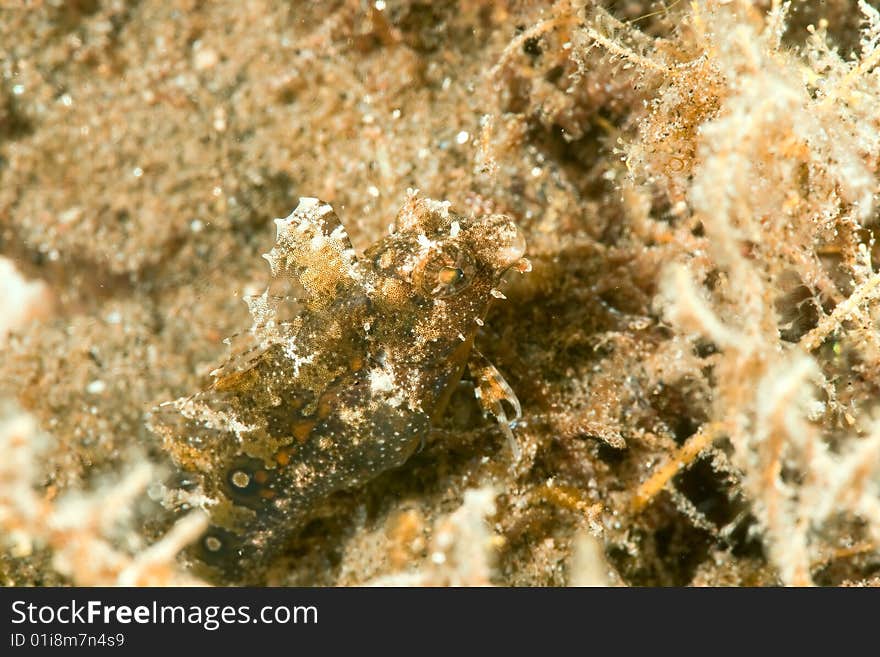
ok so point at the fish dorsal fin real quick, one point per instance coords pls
(313, 245)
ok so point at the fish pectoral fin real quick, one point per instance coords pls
(492, 391)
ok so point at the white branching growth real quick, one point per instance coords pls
(766, 407)
(462, 548)
(76, 527)
(589, 567)
(18, 503)
(773, 153)
(22, 300)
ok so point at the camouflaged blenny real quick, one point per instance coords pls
(350, 387)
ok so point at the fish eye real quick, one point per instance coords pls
(449, 275)
(446, 273)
